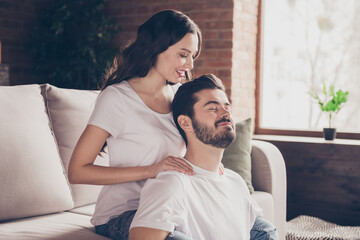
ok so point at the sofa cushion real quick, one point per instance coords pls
(69, 111)
(31, 172)
(85, 210)
(237, 154)
(59, 226)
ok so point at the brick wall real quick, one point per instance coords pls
(244, 58)
(229, 40)
(17, 19)
(229, 30)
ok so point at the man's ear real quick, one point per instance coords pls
(185, 123)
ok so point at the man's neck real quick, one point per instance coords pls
(204, 156)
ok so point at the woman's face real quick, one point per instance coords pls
(177, 59)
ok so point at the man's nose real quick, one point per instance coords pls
(226, 113)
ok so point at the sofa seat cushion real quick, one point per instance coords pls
(31, 172)
(58, 226)
(265, 201)
(86, 210)
(69, 111)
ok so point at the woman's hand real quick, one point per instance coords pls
(172, 163)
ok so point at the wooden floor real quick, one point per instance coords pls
(323, 178)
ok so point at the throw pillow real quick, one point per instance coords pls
(69, 111)
(237, 154)
(32, 180)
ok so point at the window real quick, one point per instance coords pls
(303, 44)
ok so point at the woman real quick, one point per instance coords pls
(133, 117)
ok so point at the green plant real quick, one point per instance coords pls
(332, 102)
(71, 46)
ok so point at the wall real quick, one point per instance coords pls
(245, 34)
(229, 31)
(17, 19)
(215, 19)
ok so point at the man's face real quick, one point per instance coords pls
(212, 121)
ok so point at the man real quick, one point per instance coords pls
(206, 205)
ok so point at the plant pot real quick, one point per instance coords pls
(329, 133)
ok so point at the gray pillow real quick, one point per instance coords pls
(237, 154)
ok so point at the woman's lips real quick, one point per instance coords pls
(180, 73)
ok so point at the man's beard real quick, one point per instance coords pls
(207, 135)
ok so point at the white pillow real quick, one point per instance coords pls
(69, 111)
(32, 180)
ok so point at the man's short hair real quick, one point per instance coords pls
(185, 99)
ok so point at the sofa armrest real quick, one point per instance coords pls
(269, 175)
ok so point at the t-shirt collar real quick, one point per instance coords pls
(203, 172)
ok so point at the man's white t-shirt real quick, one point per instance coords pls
(203, 206)
(139, 136)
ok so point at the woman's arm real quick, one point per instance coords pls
(83, 171)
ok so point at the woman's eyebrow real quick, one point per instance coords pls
(185, 49)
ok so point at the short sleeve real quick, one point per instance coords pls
(108, 112)
(161, 203)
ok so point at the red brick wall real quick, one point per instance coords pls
(229, 40)
(17, 19)
(244, 58)
(215, 23)
(229, 30)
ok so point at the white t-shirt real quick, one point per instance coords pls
(139, 136)
(204, 206)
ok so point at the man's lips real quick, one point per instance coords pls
(226, 122)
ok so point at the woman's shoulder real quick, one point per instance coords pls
(115, 94)
(121, 88)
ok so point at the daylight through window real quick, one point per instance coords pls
(304, 44)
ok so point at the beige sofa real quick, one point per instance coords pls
(40, 125)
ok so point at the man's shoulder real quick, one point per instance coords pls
(167, 183)
(230, 174)
(173, 176)
(169, 177)
(234, 178)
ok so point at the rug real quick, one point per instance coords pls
(312, 228)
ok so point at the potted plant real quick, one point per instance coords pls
(331, 105)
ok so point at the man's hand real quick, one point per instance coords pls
(143, 233)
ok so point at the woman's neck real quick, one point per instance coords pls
(154, 92)
(152, 84)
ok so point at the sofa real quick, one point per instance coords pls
(40, 125)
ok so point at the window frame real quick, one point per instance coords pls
(258, 130)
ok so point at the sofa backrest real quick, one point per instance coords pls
(39, 127)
